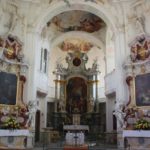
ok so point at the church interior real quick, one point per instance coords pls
(74, 74)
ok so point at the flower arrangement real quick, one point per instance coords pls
(11, 123)
(142, 124)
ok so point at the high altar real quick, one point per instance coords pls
(76, 92)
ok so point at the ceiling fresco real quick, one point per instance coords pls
(77, 21)
(75, 44)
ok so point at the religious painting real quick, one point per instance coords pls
(77, 20)
(76, 95)
(75, 44)
(142, 90)
(8, 88)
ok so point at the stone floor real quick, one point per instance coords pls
(102, 148)
(60, 147)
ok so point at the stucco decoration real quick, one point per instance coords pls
(68, 3)
(77, 64)
(140, 48)
(11, 48)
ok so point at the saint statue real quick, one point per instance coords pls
(120, 115)
(32, 107)
(91, 104)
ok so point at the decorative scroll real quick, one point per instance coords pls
(140, 48)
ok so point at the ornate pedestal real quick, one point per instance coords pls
(16, 139)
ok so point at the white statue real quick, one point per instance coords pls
(61, 105)
(120, 115)
(91, 104)
(32, 107)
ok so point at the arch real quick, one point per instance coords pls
(76, 75)
(60, 7)
(78, 34)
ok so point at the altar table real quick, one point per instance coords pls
(16, 139)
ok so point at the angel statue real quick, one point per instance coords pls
(32, 107)
(120, 115)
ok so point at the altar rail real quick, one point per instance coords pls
(95, 141)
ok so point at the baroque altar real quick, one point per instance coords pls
(133, 115)
(15, 115)
(76, 91)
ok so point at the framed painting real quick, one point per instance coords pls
(76, 95)
(142, 90)
(8, 88)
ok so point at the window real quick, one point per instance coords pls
(44, 60)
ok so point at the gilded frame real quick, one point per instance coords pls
(134, 93)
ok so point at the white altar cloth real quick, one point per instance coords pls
(136, 133)
(15, 133)
(74, 138)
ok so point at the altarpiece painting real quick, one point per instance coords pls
(142, 90)
(76, 95)
(8, 88)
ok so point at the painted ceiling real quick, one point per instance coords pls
(75, 44)
(77, 20)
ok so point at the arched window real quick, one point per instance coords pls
(44, 60)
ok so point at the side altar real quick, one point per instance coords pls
(16, 116)
(16, 139)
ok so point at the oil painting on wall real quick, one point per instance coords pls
(76, 95)
(8, 88)
(142, 90)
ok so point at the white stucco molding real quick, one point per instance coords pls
(78, 35)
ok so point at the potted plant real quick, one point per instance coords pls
(142, 124)
(11, 124)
